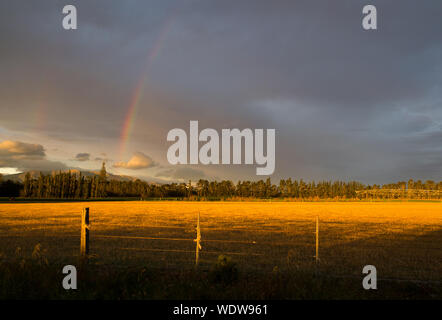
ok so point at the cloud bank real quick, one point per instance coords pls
(26, 156)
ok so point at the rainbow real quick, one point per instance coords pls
(129, 119)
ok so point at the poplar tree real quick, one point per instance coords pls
(27, 185)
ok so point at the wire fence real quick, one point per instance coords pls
(404, 252)
(322, 242)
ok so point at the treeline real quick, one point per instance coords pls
(64, 185)
(285, 189)
(67, 185)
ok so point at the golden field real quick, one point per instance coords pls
(402, 239)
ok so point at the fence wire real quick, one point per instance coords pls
(298, 240)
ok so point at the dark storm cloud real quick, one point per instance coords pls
(346, 103)
(308, 50)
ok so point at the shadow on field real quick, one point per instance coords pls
(411, 260)
(408, 263)
(417, 257)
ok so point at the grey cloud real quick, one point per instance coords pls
(82, 157)
(26, 156)
(21, 151)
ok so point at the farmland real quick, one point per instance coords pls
(402, 239)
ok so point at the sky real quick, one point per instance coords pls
(346, 103)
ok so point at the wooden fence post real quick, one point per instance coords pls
(84, 246)
(317, 240)
(198, 240)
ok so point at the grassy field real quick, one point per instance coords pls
(262, 239)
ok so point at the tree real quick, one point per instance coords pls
(41, 187)
(190, 190)
(27, 185)
(103, 174)
(429, 185)
(100, 190)
(410, 184)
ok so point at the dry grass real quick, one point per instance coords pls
(403, 240)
